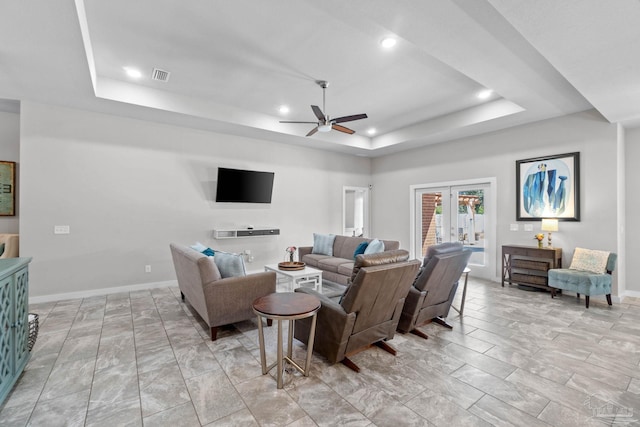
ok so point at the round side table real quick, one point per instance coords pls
(286, 306)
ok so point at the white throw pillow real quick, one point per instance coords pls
(323, 244)
(589, 260)
(375, 246)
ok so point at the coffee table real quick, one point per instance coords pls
(286, 306)
(298, 277)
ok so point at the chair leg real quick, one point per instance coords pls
(182, 295)
(214, 333)
(553, 292)
(609, 299)
(349, 364)
(420, 333)
(269, 322)
(386, 347)
(586, 298)
(441, 321)
(578, 295)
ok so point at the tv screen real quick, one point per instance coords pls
(244, 186)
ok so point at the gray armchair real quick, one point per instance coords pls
(367, 313)
(432, 293)
(218, 301)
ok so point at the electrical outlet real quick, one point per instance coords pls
(61, 229)
(147, 269)
(514, 227)
(528, 227)
(247, 251)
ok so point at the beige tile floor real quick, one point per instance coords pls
(514, 358)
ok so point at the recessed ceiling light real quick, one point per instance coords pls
(388, 42)
(133, 72)
(484, 94)
(372, 131)
(283, 109)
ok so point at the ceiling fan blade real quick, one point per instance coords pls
(343, 129)
(289, 121)
(312, 131)
(318, 112)
(349, 118)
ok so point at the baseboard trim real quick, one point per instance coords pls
(634, 294)
(103, 291)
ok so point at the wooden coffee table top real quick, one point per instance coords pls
(286, 304)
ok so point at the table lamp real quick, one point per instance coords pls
(549, 224)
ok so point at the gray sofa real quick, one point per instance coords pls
(218, 301)
(338, 268)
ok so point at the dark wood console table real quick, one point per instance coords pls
(528, 265)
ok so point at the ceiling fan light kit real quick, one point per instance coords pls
(326, 123)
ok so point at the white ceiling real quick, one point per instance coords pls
(233, 63)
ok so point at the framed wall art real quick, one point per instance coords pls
(548, 187)
(7, 188)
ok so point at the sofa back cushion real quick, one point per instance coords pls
(345, 246)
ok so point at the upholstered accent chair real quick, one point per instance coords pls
(367, 313)
(432, 293)
(218, 301)
(583, 282)
(11, 245)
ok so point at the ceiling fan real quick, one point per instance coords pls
(326, 123)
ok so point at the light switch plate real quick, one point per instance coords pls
(61, 229)
(514, 227)
(528, 227)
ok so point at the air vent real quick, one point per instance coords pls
(160, 75)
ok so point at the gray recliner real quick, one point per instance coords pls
(218, 301)
(432, 293)
(369, 310)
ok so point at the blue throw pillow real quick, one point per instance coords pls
(230, 265)
(375, 246)
(360, 249)
(323, 244)
(208, 252)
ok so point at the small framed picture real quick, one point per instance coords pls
(7, 188)
(548, 187)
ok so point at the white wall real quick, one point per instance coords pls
(494, 155)
(10, 151)
(127, 188)
(633, 209)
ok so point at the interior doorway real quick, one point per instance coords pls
(461, 211)
(355, 211)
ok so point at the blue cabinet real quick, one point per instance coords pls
(14, 321)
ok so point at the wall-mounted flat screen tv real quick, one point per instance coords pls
(244, 186)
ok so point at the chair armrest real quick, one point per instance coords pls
(333, 327)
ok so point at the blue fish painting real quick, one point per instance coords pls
(545, 188)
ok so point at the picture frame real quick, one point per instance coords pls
(548, 187)
(7, 188)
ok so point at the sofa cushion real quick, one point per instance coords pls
(346, 268)
(332, 263)
(374, 247)
(230, 265)
(360, 249)
(589, 260)
(313, 260)
(323, 244)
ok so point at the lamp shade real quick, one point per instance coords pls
(549, 224)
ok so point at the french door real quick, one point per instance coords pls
(457, 212)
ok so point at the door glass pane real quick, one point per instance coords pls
(470, 223)
(431, 227)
